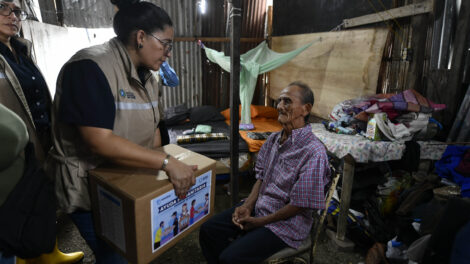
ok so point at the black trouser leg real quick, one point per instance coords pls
(219, 242)
(253, 247)
(216, 234)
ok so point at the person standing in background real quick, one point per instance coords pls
(23, 90)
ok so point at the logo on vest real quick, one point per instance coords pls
(122, 93)
(130, 95)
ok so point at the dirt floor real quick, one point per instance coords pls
(188, 251)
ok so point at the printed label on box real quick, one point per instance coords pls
(171, 215)
(111, 217)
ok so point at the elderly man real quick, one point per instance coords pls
(291, 171)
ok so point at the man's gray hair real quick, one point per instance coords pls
(306, 95)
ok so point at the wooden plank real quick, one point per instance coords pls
(346, 190)
(419, 25)
(216, 39)
(48, 12)
(404, 11)
(343, 65)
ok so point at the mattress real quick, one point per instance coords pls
(212, 149)
(261, 125)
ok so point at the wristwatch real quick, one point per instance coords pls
(165, 161)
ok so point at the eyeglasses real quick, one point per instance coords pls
(168, 46)
(5, 10)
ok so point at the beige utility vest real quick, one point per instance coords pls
(12, 96)
(136, 119)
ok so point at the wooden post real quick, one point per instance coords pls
(346, 190)
(267, 100)
(235, 29)
(419, 27)
(49, 12)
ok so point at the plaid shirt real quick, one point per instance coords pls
(294, 173)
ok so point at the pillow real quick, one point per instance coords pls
(205, 113)
(256, 111)
(263, 111)
(176, 115)
(226, 113)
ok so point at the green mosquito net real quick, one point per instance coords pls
(254, 62)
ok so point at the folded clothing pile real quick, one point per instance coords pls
(399, 117)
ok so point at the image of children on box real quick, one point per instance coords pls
(192, 211)
(175, 224)
(158, 236)
(175, 214)
(184, 218)
(178, 222)
(206, 204)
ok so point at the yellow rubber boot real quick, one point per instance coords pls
(55, 257)
(20, 261)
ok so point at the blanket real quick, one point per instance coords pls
(396, 104)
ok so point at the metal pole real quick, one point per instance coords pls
(235, 28)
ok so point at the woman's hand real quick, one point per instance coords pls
(181, 176)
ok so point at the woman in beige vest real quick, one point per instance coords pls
(106, 109)
(24, 91)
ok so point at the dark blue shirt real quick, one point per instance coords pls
(86, 98)
(32, 83)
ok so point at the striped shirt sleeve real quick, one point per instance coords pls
(261, 159)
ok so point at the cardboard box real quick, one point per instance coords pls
(131, 207)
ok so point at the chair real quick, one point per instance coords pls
(292, 254)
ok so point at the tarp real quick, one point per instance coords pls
(256, 61)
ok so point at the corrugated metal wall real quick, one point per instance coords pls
(214, 80)
(186, 55)
(87, 13)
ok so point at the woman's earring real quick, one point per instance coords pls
(140, 46)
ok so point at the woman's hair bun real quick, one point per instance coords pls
(124, 3)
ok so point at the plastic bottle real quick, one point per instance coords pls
(395, 250)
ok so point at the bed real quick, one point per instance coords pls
(264, 119)
(213, 148)
(179, 119)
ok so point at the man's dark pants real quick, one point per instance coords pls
(223, 242)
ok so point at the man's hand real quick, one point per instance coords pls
(240, 212)
(251, 222)
(181, 176)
